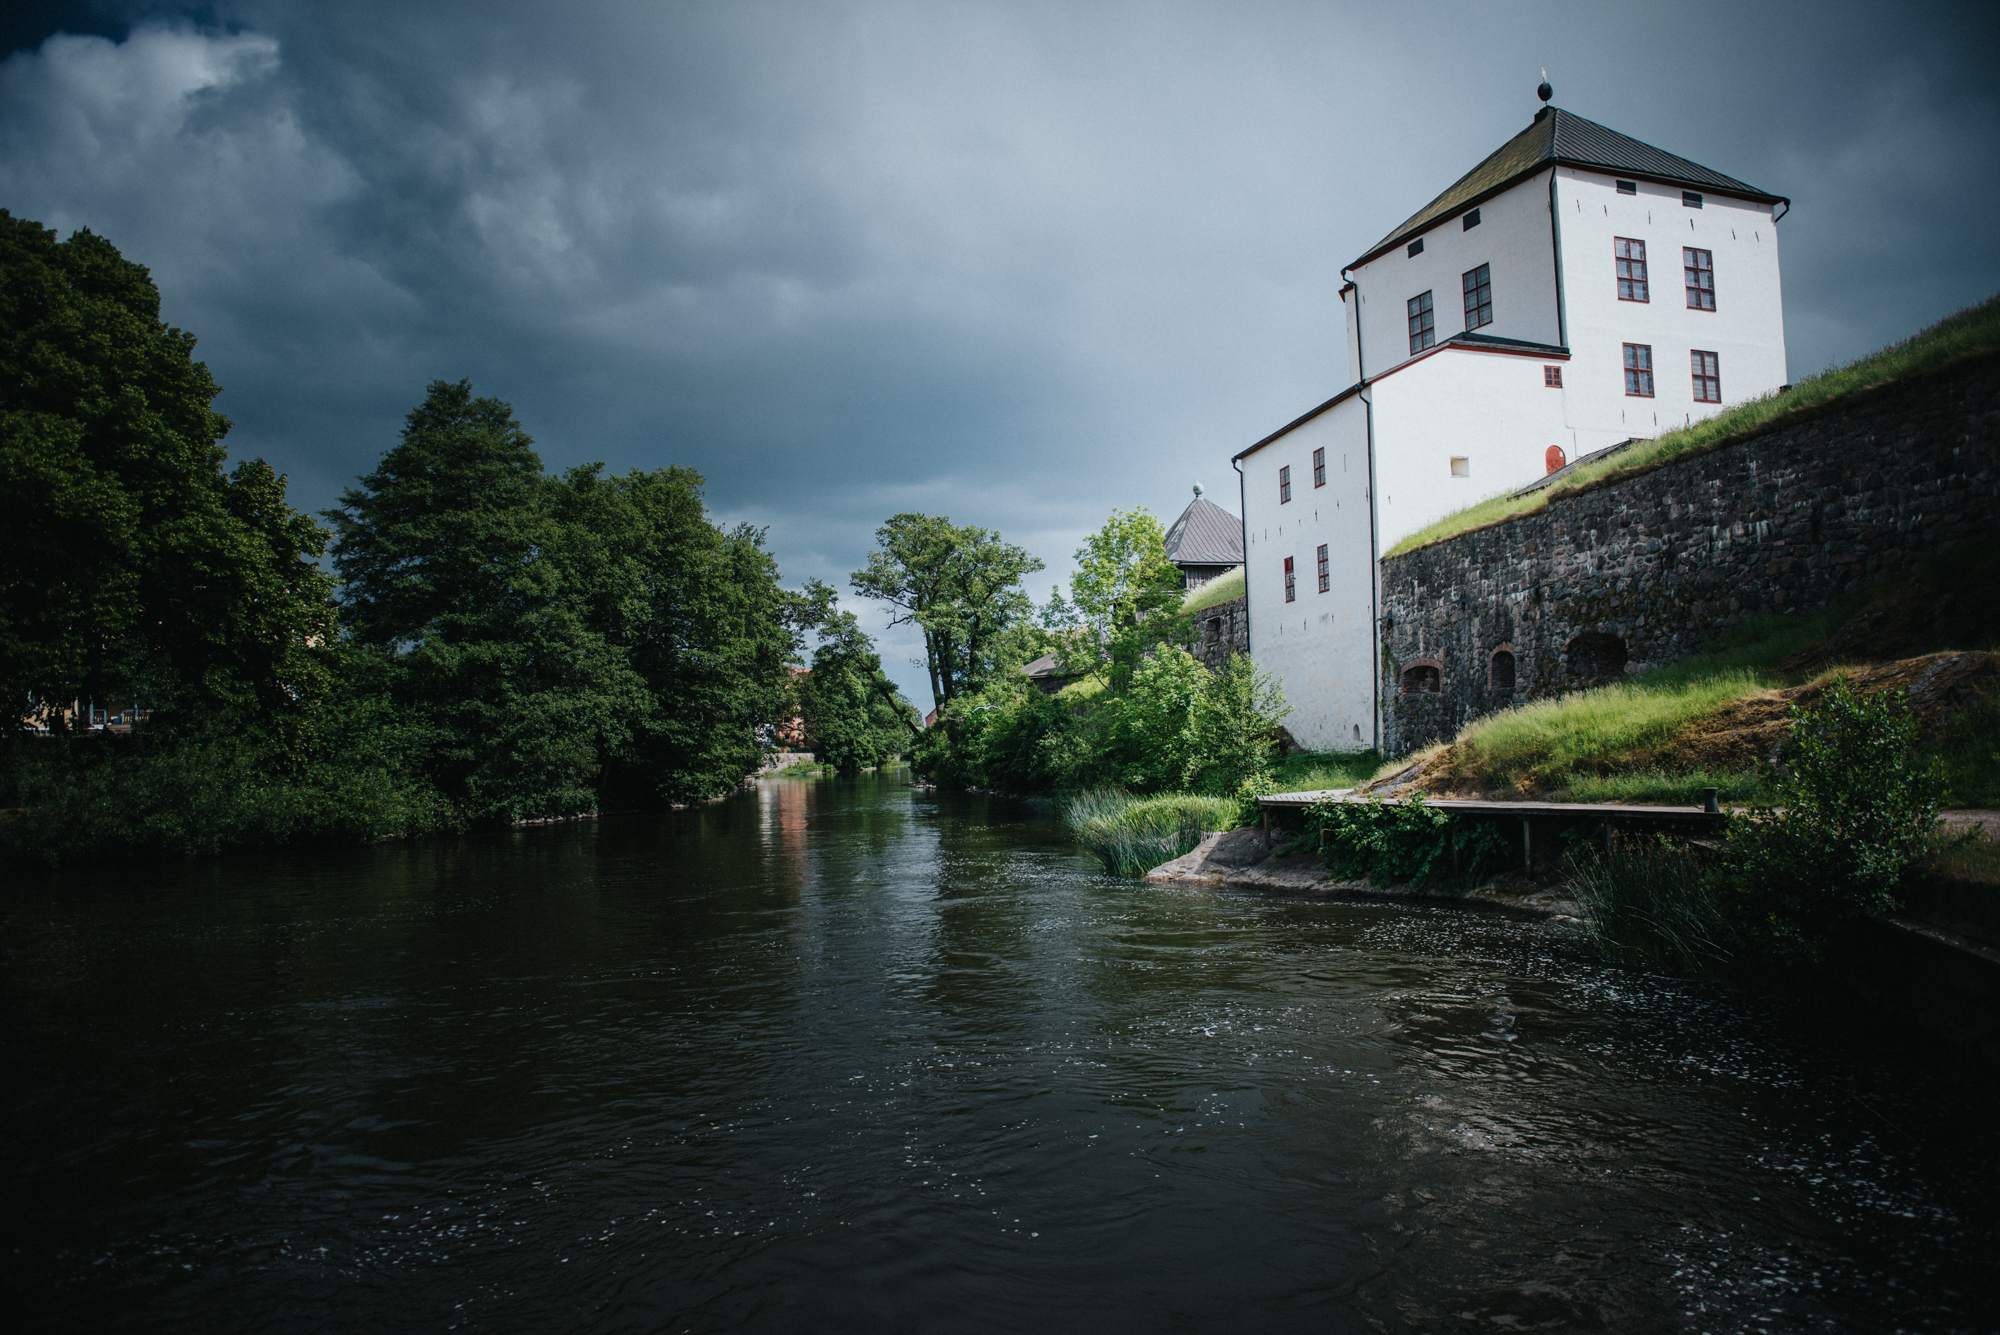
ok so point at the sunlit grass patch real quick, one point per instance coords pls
(1975, 329)
(1311, 771)
(1221, 589)
(1132, 835)
(1677, 788)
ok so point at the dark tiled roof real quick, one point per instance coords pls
(1047, 666)
(1205, 535)
(1472, 340)
(1558, 136)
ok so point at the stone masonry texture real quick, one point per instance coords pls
(1808, 510)
(1220, 631)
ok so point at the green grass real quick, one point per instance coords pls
(1560, 742)
(1658, 787)
(1132, 835)
(1221, 589)
(1971, 754)
(1969, 861)
(1309, 771)
(1974, 329)
(1651, 902)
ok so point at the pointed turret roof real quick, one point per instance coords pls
(1564, 138)
(1205, 535)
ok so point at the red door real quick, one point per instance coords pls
(1556, 458)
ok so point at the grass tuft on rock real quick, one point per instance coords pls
(1132, 835)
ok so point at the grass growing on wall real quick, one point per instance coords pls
(1974, 329)
(1223, 588)
(1132, 835)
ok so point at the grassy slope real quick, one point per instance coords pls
(1218, 590)
(1975, 329)
(1603, 745)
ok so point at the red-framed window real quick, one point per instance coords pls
(1639, 369)
(1423, 323)
(1325, 571)
(1284, 484)
(1630, 257)
(1699, 267)
(1707, 377)
(1319, 467)
(1552, 376)
(1478, 296)
(1291, 583)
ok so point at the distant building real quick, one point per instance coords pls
(1575, 290)
(1205, 542)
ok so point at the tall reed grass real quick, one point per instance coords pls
(1652, 902)
(1132, 835)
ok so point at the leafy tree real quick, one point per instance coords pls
(961, 585)
(450, 557)
(853, 715)
(1125, 600)
(132, 563)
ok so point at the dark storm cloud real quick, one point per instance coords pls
(1015, 263)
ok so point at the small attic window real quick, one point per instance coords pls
(1472, 220)
(1628, 187)
(1416, 247)
(1690, 199)
(1461, 467)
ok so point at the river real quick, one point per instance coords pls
(842, 1055)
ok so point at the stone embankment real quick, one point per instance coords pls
(1647, 568)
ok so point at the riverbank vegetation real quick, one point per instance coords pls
(1973, 330)
(495, 643)
(1131, 835)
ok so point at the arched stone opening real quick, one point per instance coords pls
(1500, 670)
(1423, 678)
(1595, 654)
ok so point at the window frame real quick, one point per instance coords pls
(1626, 187)
(1637, 375)
(1696, 264)
(1478, 281)
(1422, 308)
(1291, 582)
(1707, 376)
(1690, 199)
(1319, 466)
(1285, 485)
(1325, 570)
(1416, 248)
(1631, 269)
(1471, 221)
(1552, 377)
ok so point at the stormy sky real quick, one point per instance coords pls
(1017, 263)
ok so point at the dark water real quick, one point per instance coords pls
(843, 1057)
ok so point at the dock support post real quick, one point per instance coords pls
(1527, 845)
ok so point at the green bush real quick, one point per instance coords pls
(1132, 835)
(1407, 843)
(1854, 807)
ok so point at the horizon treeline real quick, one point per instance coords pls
(500, 644)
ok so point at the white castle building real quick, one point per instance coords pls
(1575, 290)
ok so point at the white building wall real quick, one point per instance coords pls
(1746, 329)
(1513, 239)
(1491, 409)
(1319, 646)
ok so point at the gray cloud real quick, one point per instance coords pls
(1017, 263)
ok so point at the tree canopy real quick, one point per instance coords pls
(133, 564)
(959, 584)
(1125, 600)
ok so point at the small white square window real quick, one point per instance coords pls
(1461, 467)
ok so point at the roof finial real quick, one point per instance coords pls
(1545, 92)
(1197, 488)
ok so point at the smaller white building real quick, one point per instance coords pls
(1576, 289)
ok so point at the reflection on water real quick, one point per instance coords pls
(840, 1055)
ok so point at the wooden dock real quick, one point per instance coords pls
(1686, 820)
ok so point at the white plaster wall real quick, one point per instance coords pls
(1320, 647)
(1490, 408)
(1512, 237)
(1746, 329)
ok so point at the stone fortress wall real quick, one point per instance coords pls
(1632, 573)
(1220, 631)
